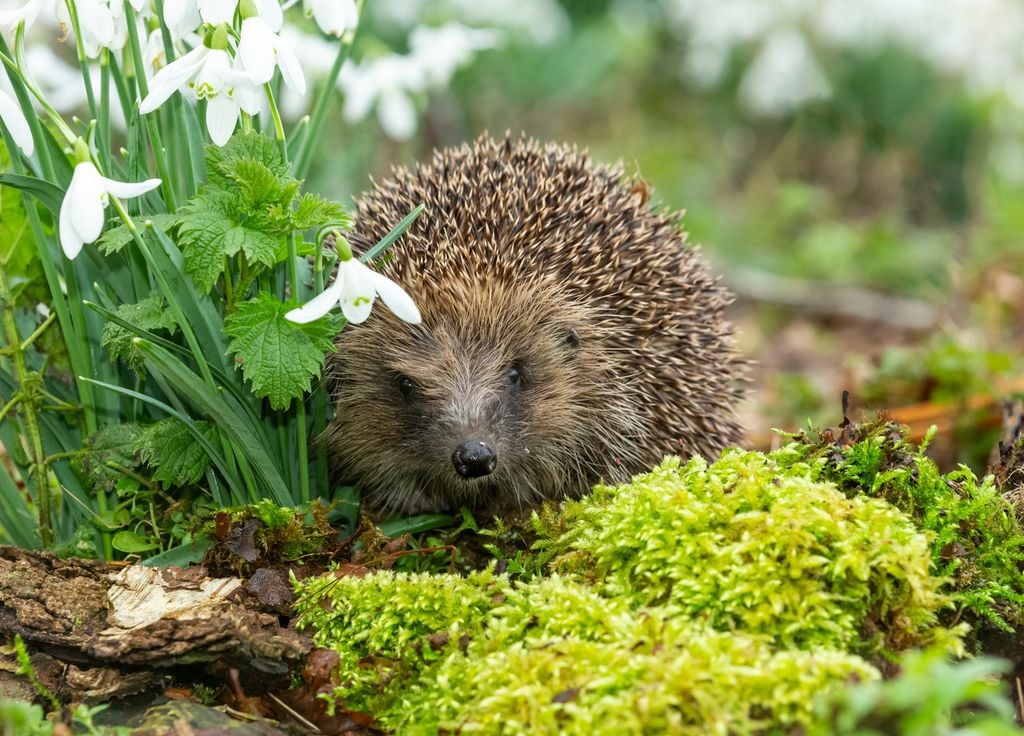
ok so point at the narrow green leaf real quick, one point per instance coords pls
(415, 524)
(132, 543)
(393, 235)
(49, 194)
(183, 555)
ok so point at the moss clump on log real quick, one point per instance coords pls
(720, 598)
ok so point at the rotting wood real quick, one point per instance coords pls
(110, 632)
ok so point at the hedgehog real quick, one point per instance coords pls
(569, 336)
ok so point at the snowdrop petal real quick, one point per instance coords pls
(27, 12)
(14, 120)
(270, 11)
(334, 16)
(320, 305)
(70, 242)
(86, 199)
(181, 16)
(217, 12)
(255, 50)
(249, 97)
(167, 81)
(221, 117)
(358, 293)
(291, 70)
(125, 189)
(396, 299)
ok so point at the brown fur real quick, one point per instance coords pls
(531, 257)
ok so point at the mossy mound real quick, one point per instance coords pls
(976, 536)
(696, 599)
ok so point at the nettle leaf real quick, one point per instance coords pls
(150, 314)
(177, 458)
(118, 237)
(312, 210)
(244, 147)
(108, 450)
(259, 187)
(279, 357)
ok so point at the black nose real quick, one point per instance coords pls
(474, 459)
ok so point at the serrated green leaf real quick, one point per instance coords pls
(118, 237)
(201, 235)
(131, 542)
(248, 146)
(258, 246)
(150, 314)
(110, 448)
(312, 210)
(279, 357)
(173, 452)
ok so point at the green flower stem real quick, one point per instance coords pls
(319, 397)
(316, 124)
(83, 61)
(103, 122)
(28, 411)
(323, 100)
(152, 126)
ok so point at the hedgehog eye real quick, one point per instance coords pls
(514, 375)
(406, 385)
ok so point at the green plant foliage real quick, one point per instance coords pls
(171, 450)
(150, 314)
(249, 206)
(931, 697)
(697, 599)
(278, 356)
(20, 718)
(976, 540)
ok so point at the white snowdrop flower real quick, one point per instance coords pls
(260, 49)
(27, 13)
(82, 211)
(355, 288)
(13, 118)
(316, 56)
(209, 73)
(181, 17)
(97, 25)
(217, 12)
(333, 16)
(388, 84)
(439, 52)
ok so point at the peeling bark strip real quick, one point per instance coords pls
(113, 631)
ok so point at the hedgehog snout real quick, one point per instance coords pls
(474, 459)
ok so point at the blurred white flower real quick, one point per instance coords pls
(439, 52)
(181, 17)
(98, 23)
(333, 16)
(13, 118)
(82, 211)
(27, 13)
(259, 49)
(355, 288)
(210, 75)
(388, 84)
(783, 76)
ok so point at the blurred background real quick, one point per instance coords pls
(853, 168)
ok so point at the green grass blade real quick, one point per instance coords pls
(391, 237)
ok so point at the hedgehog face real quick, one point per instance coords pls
(477, 406)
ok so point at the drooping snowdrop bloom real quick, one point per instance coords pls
(388, 84)
(16, 123)
(355, 288)
(82, 211)
(27, 13)
(209, 73)
(260, 49)
(333, 16)
(441, 51)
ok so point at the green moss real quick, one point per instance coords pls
(697, 599)
(976, 538)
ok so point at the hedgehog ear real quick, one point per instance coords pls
(572, 339)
